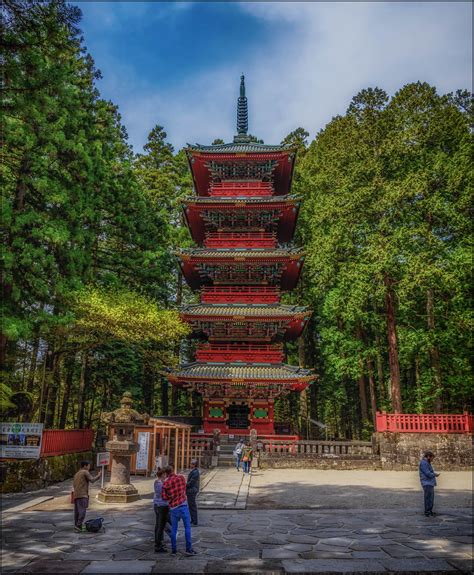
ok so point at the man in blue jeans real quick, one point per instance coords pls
(174, 491)
(428, 482)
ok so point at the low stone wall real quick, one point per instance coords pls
(30, 474)
(403, 451)
(315, 461)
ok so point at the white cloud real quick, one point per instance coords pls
(320, 56)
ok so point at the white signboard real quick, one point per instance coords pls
(142, 455)
(21, 440)
(103, 459)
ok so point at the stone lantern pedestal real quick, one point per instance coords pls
(122, 421)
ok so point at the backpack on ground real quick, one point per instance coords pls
(94, 525)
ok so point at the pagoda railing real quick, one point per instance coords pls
(424, 423)
(240, 240)
(240, 294)
(235, 352)
(232, 188)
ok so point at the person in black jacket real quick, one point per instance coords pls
(192, 489)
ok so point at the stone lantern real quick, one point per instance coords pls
(122, 446)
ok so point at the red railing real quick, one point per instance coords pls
(62, 441)
(241, 189)
(240, 240)
(240, 294)
(423, 423)
(240, 352)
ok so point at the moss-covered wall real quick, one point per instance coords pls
(30, 474)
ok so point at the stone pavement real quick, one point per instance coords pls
(224, 488)
(375, 540)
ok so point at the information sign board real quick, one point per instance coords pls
(142, 455)
(21, 440)
(103, 459)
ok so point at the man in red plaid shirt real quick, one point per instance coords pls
(174, 491)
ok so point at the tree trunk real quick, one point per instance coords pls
(417, 382)
(70, 365)
(174, 400)
(164, 396)
(179, 288)
(53, 391)
(380, 376)
(362, 393)
(48, 364)
(91, 409)
(81, 391)
(373, 396)
(434, 351)
(392, 346)
(30, 382)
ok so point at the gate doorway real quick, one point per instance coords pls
(238, 416)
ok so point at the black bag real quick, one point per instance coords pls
(94, 525)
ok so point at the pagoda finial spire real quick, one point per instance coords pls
(242, 110)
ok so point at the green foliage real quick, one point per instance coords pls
(385, 193)
(125, 316)
(88, 228)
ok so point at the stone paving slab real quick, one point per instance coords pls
(333, 566)
(133, 567)
(61, 567)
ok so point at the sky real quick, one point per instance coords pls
(178, 64)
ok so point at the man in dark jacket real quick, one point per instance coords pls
(428, 482)
(192, 490)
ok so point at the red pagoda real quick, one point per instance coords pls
(243, 220)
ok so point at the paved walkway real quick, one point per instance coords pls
(224, 488)
(233, 539)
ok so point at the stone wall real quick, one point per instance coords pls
(403, 451)
(316, 461)
(30, 474)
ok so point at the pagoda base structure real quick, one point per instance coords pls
(238, 416)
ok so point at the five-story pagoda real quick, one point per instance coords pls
(243, 219)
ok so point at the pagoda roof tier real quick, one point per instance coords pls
(241, 372)
(265, 213)
(260, 311)
(239, 147)
(276, 267)
(240, 161)
(240, 322)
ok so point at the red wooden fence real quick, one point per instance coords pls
(62, 441)
(422, 423)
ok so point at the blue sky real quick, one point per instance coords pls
(178, 63)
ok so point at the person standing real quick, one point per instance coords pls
(174, 491)
(237, 453)
(80, 485)
(192, 490)
(247, 456)
(161, 508)
(428, 482)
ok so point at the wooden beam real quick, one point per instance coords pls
(183, 448)
(176, 447)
